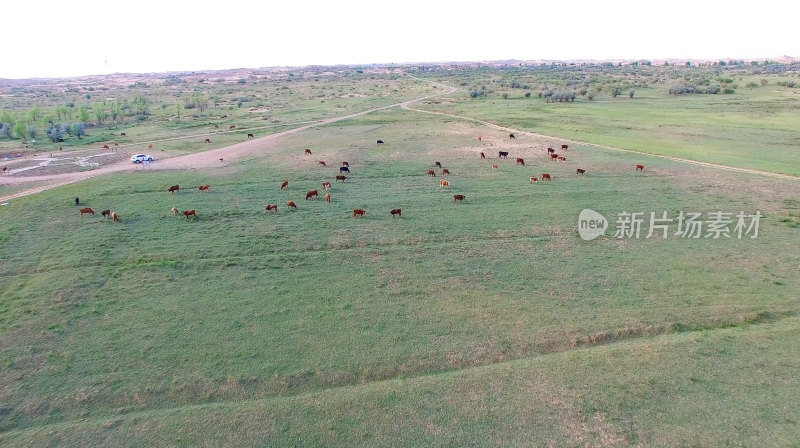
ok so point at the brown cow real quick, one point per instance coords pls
(341, 178)
(551, 150)
(208, 140)
(639, 167)
(322, 162)
(326, 186)
(431, 173)
(458, 197)
(479, 138)
(123, 135)
(174, 188)
(534, 179)
(502, 154)
(203, 187)
(396, 212)
(564, 147)
(445, 172)
(546, 176)
(483, 156)
(359, 212)
(233, 126)
(328, 198)
(311, 194)
(437, 164)
(273, 207)
(494, 167)
(106, 147)
(216, 126)
(562, 159)
(106, 213)
(250, 136)
(580, 171)
(149, 146)
(174, 210)
(444, 184)
(291, 204)
(553, 156)
(86, 210)
(345, 164)
(188, 213)
(114, 217)
(520, 161)
(5, 168)
(284, 184)
(308, 151)
(221, 159)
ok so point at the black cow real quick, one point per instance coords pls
(502, 154)
(344, 169)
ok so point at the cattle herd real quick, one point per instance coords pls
(344, 168)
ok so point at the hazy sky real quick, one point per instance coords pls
(49, 39)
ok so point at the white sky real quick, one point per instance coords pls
(82, 37)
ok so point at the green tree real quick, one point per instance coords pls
(20, 131)
(34, 114)
(83, 114)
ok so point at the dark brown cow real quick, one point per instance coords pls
(341, 178)
(458, 197)
(445, 172)
(546, 176)
(639, 167)
(291, 204)
(250, 136)
(272, 207)
(86, 210)
(221, 159)
(326, 186)
(553, 156)
(431, 173)
(359, 212)
(396, 212)
(580, 171)
(380, 142)
(564, 147)
(123, 135)
(174, 188)
(308, 152)
(520, 161)
(188, 213)
(284, 184)
(534, 179)
(483, 156)
(208, 140)
(216, 126)
(437, 164)
(511, 136)
(551, 151)
(106, 147)
(233, 126)
(312, 194)
(345, 164)
(322, 162)
(5, 168)
(106, 213)
(114, 217)
(502, 154)
(203, 187)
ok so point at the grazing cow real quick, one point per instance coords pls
(272, 207)
(326, 186)
(311, 194)
(216, 126)
(221, 159)
(479, 138)
(174, 210)
(502, 154)
(431, 173)
(233, 126)
(341, 178)
(174, 188)
(639, 167)
(344, 169)
(203, 187)
(86, 210)
(380, 142)
(250, 136)
(483, 156)
(396, 212)
(561, 159)
(534, 179)
(106, 213)
(5, 168)
(322, 162)
(553, 156)
(437, 164)
(208, 140)
(106, 147)
(116, 144)
(328, 198)
(580, 171)
(308, 152)
(291, 204)
(494, 167)
(458, 197)
(444, 184)
(551, 151)
(188, 213)
(546, 176)
(284, 184)
(149, 146)
(359, 212)
(445, 172)
(345, 164)
(123, 135)
(520, 161)
(511, 136)
(77, 201)
(564, 147)
(114, 217)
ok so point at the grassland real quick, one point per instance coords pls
(484, 323)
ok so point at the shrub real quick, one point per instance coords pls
(712, 89)
(505, 96)
(728, 91)
(631, 93)
(590, 96)
(527, 94)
